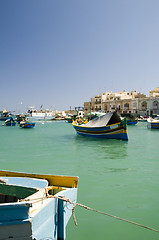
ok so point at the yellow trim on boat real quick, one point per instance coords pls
(74, 124)
(54, 180)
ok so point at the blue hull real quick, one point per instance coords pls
(27, 125)
(155, 125)
(11, 124)
(116, 131)
(131, 122)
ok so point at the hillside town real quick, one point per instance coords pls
(125, 102)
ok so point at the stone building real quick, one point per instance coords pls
(154, 93)
(125, 102)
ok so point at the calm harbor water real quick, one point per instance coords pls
(116, 177)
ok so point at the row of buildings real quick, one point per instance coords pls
(125, 102)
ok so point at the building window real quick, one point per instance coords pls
(126, 106)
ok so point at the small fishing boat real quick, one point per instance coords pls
(108, 126)
(153, 122)
(20, 117)
(32, 205)
(4, 115)
(130, 118)
(26, 124)
(10, 122)
(131, 122)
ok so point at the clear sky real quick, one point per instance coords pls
(60, 53)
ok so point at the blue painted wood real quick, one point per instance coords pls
(61, 227)
(26, 182)
(13, 212)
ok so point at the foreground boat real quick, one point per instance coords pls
(108, 126)
(28, 212)
(153, 123)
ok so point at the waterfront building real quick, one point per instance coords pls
(144, 106)
(122, 102)
(154, 93)
(125, 102)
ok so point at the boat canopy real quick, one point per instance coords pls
(107, 119)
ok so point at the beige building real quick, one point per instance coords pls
(154, 93)
(125, 102)
(122, 102)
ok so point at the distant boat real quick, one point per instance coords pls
(30, 208)
(131, 122)
(40, 115)
(20, 117)
(108, 126)
(4, 115)
(10, 122)
(131, 119)
(26, 124)
(153, 122)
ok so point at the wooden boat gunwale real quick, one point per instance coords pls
(54, 180)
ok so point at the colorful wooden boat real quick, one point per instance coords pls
(10, 122)
(131, 122)
(153, 123)
(130, 118)
(20, 117)
(4, 115)
(26, 124)
(28, 212)
(108, 126)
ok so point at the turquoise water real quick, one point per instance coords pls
(116, 177)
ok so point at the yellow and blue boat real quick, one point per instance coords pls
(153, 122)
(10, 122)
(108, 126)
(32, 205)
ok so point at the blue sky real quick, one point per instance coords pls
(60, 53)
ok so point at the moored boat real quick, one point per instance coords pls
(4, 115)
(26, 124)
(10, 122)
(41, 115)
(130, 118)
(153, 122)
(108, 126)
(20, 117)
(131, 122)
(31, 206)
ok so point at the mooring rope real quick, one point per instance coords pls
(67, 200)
(95, 210)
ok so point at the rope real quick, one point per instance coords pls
(95, 210)
(67, 200)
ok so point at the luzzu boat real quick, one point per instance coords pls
(10, 122)
(26, 124)
(153, 122)
(108, 126)
(131, 122)
(30, 208)
(130, 118)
